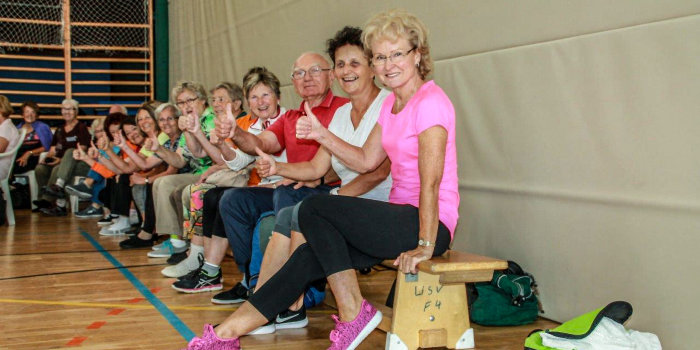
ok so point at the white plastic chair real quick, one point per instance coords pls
(31, 181)
(5, 183)
(73, 199)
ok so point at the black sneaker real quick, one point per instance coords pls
(235, 295)
(194, 273)
(55, 211)
(81, 190)
(107, 220)
(201, 283)
(134, 242)
(56, 191)
(90, 212)
(292, 319)
(41, 204)
(176, 258)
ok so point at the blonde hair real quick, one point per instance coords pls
(5, 107)
(96, 123)
(196, 88)
(398, 24)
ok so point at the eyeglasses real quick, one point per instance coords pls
(394, 57)
(186, 102)
(220, 99)
(68, 108)
(313, 71)
(168, 119)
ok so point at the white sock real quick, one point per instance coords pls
(177, 242)
(193, 259)
(196, 250)
(60, 182)
(210, 269)
(61, 203)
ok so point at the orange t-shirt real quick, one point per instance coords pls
(244, 123)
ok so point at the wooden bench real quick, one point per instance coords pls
(430, 307)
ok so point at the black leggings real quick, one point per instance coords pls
(342, 233)
(212, 224)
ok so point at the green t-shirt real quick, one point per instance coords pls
(195, 165)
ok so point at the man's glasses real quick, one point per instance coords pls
(313, 71)
(394, 57)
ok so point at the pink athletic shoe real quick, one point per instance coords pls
(348, 335)
(210, 341)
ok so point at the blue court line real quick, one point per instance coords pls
(175, 321)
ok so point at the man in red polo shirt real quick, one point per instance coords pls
(240, 208)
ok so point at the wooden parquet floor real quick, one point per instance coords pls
(64, 286)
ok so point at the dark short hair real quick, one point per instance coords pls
(128, 120)
(346, 36)
(112, 119)
(31, 104)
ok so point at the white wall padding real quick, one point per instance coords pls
(578, 131)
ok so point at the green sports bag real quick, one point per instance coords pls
(508, 300)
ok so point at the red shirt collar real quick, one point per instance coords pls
(326, 103)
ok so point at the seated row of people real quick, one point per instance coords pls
(327, 236)
(322, 169)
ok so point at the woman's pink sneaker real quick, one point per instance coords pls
(348, 335)
(210, 341)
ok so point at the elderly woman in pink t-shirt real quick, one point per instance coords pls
(416, 131)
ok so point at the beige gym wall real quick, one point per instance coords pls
(578, 131)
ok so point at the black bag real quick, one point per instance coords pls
(21, 197)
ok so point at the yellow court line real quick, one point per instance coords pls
(132, 306)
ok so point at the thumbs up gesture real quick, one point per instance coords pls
(151, 143)
(308, 127)
(193, 123)
(92, 151)
(120, 140)
(225, 128)
(266, 165)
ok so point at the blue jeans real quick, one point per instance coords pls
(240, 209)
(97, 187)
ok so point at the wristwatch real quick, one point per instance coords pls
(425, 243)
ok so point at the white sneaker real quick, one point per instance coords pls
(267, 328)
(120, 227)
(183, 267)
(105, 231)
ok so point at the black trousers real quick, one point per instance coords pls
(149, 217)
(342, 233)
(120, 196)
(212, 224)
